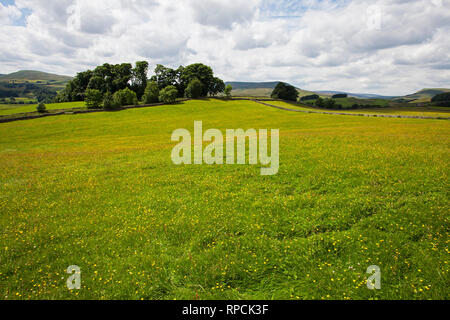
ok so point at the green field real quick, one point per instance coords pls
(34, 76)
(401, 111)
(100, 191)
(10, 109)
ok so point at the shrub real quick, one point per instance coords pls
(340, 95)
(441, 100)
(124, 97)
(93, 99)
(41, 108)
(194, 89)
(441, 97)
(329, 104)
(168, 94)
(216, 86)
(285, 92)
(319, 103)
(228, 90)
(108, 101)
(151, 94)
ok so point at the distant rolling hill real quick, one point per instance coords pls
(258, 89)
(33, 76)
(252, 85)
(29, 85)
(264, 89)
(358, 95)
(424, 95)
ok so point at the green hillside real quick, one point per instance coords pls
(252, 89)
(252, 85)
(33, 76)
(424, 95)
(258, 89)
(29, 85)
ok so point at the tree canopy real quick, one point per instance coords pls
(94, 98)
(115, 78)
(194, 89)
(202, 73)
(441, 97)
(339, 95)
(168, 94)
(284, 91)
(139, 78)
(106, 78)
(151, 94)
(125, 97)
(228, 90)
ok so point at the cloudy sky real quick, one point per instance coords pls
(391, 47)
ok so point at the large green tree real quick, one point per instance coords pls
(217, 86)
(103, 78)
(284, 91)
(164, 76)
(77, 86)
(121, 75)
(201, 72)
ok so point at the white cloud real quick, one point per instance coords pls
(332, 45)
(223, 14)
(8, 14)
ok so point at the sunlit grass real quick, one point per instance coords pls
(405, 111)
(100, 191)
(9, 109)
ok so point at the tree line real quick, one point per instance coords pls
(441, 100)
(112, 86)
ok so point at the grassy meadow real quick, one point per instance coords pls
(100, 191)
(433, 111)
(10, 109)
